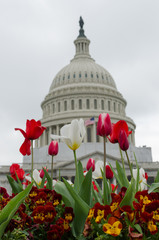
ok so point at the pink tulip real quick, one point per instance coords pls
(104, 126)
(109, 172)
(53, 148)
(123, 140)
(91, 164)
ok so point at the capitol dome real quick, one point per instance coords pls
(82, 89)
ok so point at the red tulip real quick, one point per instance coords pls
(91, 164)
(123, 140)
(33, 131)
(42, 172)
(15, 169)
(116, 128)
(109, 172)
(53, 148)
(104, 126)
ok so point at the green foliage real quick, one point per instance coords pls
(16, 187)
(129, 195)
(9, 210)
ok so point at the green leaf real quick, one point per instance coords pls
(16, 188)
(12, 206)
(81, 210)
(43, 181)
(106, 193)
(129, 195)
(79, 177)
(122, 175)
(86, 187)
(49, 180)
(157, 177)
(138, 228)
(96, 196)
(154, 187)
(138, 177)
(116, 176)
(66, 196)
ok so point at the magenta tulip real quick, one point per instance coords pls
(104, 126)
(109, 172)
(123, 140)
(53, 148)
(90, 164)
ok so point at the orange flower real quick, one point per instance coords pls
(113, 227)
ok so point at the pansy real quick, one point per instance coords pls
(72, 134)
(113, 227)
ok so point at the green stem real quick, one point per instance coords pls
(129, 164)
(122, 158)
(104, 141)
(77, 173)
(52, 168)
(32, 162)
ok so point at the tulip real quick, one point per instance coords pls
(15, 169)
(42, 172)
(104, 126)
(142, 178)
(116, 128)
(72, 134)
(123, 140)
(53, 148)
(33, 131)
(108, 172)
(98, 167)
(91, 164)
(36, 177)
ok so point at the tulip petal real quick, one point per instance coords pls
(22, 131)
(25, 147)
(98, 167)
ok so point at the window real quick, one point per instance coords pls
(74, 75)
(53, 108)
(114, 107)
(95, 103)
(102, 104)
(80, 103)
(97, 75)
(58, 106)
(85, 75)
(87, 104)
(108, 105)
(69, 76)
(79, 75)
(88, 134)
(65, 105)
(72, 105)
(63, 77)
(119, 107)
(91, 75)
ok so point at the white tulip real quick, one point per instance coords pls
(36, 177)
(72, 134)
(97, 172)
(142, 179)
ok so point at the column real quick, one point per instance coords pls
(94, 132)
(57, 130)
(50, 132)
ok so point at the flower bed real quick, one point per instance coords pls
(41, 207)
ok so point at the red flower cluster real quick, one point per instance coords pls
(115, 220)
(33, 131)
(42, 209)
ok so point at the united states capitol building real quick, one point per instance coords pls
(84, 89)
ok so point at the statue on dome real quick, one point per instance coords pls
(81, 31)
(81, 22)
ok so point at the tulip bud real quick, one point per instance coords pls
(90, 164)
(53, 148)
(123, 140)
(104, 126)
(42, 172)
(108, 172)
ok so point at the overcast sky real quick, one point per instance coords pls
(36, 41)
